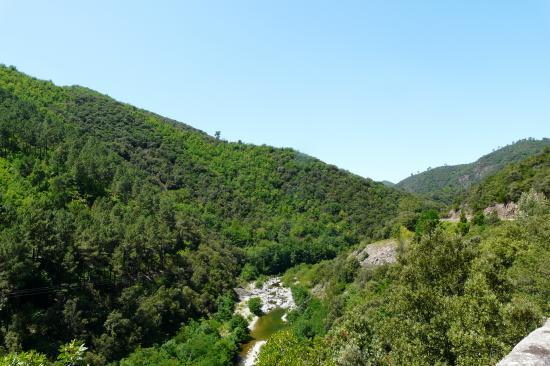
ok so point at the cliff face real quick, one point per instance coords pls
(534, 350)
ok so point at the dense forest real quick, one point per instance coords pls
(460, 294)
(444, 184)
(118, 226)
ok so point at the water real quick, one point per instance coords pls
(264, 328)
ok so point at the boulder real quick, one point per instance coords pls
(534, 350)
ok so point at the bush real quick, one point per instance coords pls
(533, 204)
(427, 223)
(255, 306)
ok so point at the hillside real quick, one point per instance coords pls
(117, 225)
(444, 183)
(508, 184)
(461, 293)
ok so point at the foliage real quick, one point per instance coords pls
(508, 184)
(427, 223)
(454, 298)
(445, 184)
(255, 306)
(285, 349)
(117, 225)
(206, 342)
(533, 204)
(70, 354)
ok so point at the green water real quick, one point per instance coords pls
(264, 328)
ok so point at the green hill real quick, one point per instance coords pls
(460, 293)
(509, 183)
(118, 225)
(444, 183)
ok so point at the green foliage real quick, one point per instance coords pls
(463, 227)
(508, 184)
(478, 219)
(464, 300)
(207, 343)
(454, 298)
(285, 349)
(30, 358)
(445, 184)
(70, 354)
(249, 272)
(533, 204)
(255, 306)
(118, 225)
(309, 319)
(427, 223)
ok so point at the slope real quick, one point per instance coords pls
(118, 225)
(459, 294)
(509, 183)
(443, 183)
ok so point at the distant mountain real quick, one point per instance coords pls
(510, 182)
(387, 183)
(442, 184)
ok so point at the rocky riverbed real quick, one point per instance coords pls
(275, 297)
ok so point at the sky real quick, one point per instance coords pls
(380, 88)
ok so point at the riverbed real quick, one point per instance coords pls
(264, 328)
(277, 300)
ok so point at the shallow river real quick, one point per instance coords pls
(264, 328)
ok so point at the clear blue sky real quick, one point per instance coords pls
(381, 88)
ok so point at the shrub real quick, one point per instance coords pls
(255, 306)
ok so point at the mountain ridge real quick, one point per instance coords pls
(445, 182)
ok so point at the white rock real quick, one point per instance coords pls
(253, 354)
(534, 350)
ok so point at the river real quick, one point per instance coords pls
(264, 328)
(277, 300)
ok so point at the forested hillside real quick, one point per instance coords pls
(508, 184)
(445, 183)
(117, 225)
(460, 294)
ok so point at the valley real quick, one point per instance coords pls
(130, 239)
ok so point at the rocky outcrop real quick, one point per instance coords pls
(377, 254)
(534, 350)
(503, 211)
(506, 211)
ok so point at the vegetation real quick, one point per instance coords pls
(118, 226)
(508, 184)
(445, 184)
(70, 354)
(456, 297)
(209, 342)
(127, 232)
(255, 306)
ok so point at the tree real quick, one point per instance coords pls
(255, 306)
(427, 223)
